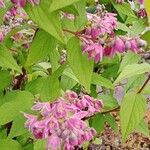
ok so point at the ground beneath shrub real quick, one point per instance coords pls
(111, 141)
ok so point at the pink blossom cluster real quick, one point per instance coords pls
(22, 3)
(62, 123)
(99, 39)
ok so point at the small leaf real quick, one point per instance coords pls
(58, 4)
(6, 59)
(18, 128)
(137, 28)
(51, 87)
(98, 122)
(15, 102)
(111, 121)
(10, 144)
(109, 101)
(128, 59)
(132, 70)
(41, 46)
(81, 66)
(5, 79)
(99, 80)
(143, 128)
(132, 112)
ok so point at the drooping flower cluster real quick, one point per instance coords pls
(62, 122)
(22, 3)
(99, 39)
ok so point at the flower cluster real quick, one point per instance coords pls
(22, 3)
(62, 122)
(98, 39)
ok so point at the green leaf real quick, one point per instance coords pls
(15, 102)
(50, 22)
(143, 128)
(137, 28)
(146, 89)
(51, 87)
(135, 82)
(146, 36)
(10, 144)
(99, 80)
(6, 59)
(109, 101)
(128, 59)
(5, 79)
(18, 128)
(111, 121)
(132, 70)
(97, 122)
(55, 5)
(132, 112)
(81, 66)
(123, 27)
(124, 10)
(147, 8)
(81, 19)
(41, 46)
(67, 82)
(40, 145)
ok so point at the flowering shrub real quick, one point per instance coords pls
(66, 65)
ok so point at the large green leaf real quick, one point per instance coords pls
(132, 112)
(5, 79)
(50, 22)
(99, 80)
(132, 70)
(81, 66)
(128, 59)
(6, 59)
(8, 144)
(15, 102)
(41, 46)
(58, 4)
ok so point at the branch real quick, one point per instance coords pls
(145, 83)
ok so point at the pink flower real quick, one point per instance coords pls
(142, 13)
(1, 36)
(20, 3)
(134, 45)
(94, 51)
(119, 45)
(141, 1)
(54, 142)
(2, 4)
